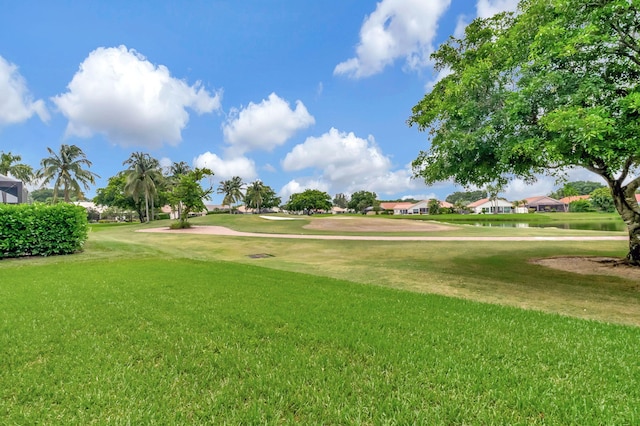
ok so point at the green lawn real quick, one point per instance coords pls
(175, 329)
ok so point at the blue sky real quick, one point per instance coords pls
(300, 94)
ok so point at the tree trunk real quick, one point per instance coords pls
(625, 201)
(146, 206)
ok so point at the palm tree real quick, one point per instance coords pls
(142, 176)
(255, 195)
(10, 166)
(66, 168)
(232, 190)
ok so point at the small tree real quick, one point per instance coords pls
(602, 200)
(434, 206)
(341, 200)
(190, 193)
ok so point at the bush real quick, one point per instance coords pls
(180, 225)
(580, 206)
(163, 216)
(41, 230)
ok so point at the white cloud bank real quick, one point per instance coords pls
(396, 29)
(266, 125)
(118, 93)
(16, 103)
(348, 163)
(227, 168)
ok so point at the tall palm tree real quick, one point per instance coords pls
(66, 169)
(142, 176)
(255, 195)
(232, 190)
(10, 166)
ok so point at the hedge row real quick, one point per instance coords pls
(41, 230)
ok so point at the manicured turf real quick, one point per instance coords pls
(184, 329)
(146, 341)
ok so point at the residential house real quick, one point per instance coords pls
(487, 205)
(545, 204)
(12, 190)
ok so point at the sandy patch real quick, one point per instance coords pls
(353, 224)
(591, 266)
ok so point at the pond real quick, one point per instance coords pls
(590, 226)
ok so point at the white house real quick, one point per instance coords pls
(487, 205)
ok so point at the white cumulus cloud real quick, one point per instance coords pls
(118, 93)
(349, 163)
(488, 8)
(296, 186)
(16, 103)
(266, 125)
(396, 29)
(226, 168)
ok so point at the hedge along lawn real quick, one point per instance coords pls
(172, 341)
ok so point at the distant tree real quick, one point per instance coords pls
(42, 195)
(232, 190)
(143, 177)
(259, 196)
(190, 194)
(360, 200)
(341, 200)
(309, 200)
(602, 200)
(115, 196)
(66, 169)
(434, 206)
(576, 188)
(270, 198)
(466, 197)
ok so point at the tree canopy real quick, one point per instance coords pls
(66, 168)
(309, 200)
(360, 200)
(189, 193)
(466, 197)
(552, 87)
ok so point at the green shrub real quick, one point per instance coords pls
(180, 225)
(580, 206)
(41, 230)
(163, 216)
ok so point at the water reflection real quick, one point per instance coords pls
(589, 226)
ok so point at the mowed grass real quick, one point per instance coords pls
(168, 340)
(146, 328)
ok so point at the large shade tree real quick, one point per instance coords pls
(143, 176)
(66, 169)
(232, 190)
(552, 87)
(309, 200)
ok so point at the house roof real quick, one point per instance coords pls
(573, 198)
(403, 205)
(389, 205)
(542, 199)
(478, 203)
(500, 202)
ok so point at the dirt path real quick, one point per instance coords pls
(221, 230)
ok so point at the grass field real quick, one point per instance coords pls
(174, 329)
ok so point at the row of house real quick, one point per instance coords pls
(490, 206)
